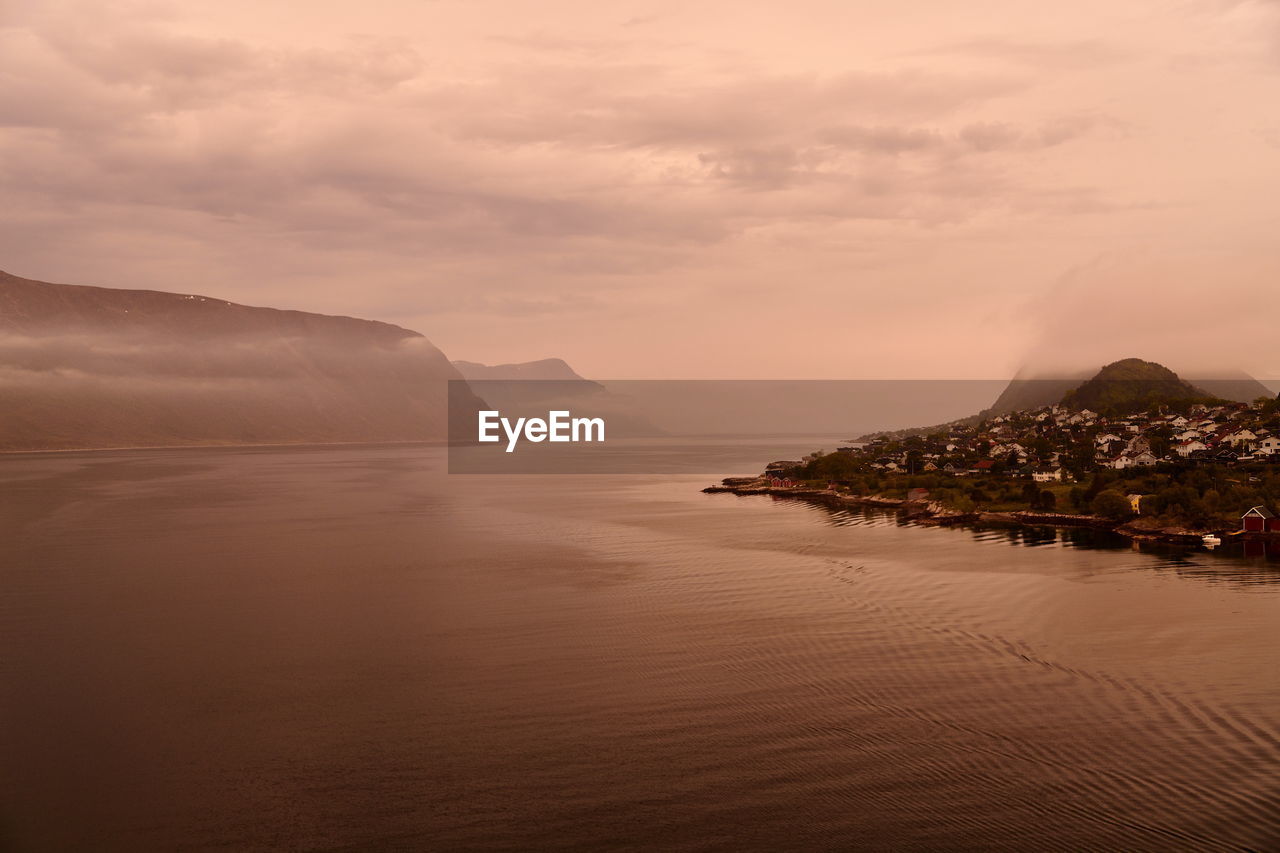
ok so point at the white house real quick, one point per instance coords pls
(1133, 460)
(1244, 436)
(1142, 459)
(1186, 448)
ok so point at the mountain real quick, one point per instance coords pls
(92, 367)
(544, 369)
(1125, 386)
(1025, 393)
(1132, 385)
(1232, 385)
(533, 388)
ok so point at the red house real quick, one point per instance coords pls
(1260, 520)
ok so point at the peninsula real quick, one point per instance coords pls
(1133, 449)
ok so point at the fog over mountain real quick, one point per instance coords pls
(1031, 390)
(91, 367)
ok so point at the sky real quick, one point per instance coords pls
(761, 190)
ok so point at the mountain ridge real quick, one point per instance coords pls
(85, 367)
(1026, 393)
(542, 369)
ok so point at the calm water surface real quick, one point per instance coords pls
(345, 649)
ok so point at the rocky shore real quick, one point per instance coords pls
(933, 513)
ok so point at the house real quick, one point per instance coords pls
(1259, 519)
(984, 466)
(1138, 444)
(1186, 448)
(1269, 445)
(1111, 448)
(1244, 436)
(1047, 475)
(1143, 459)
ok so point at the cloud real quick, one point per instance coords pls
(1045, 54)
(412, 162)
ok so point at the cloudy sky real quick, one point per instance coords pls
(671, 189)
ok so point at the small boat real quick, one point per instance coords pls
(1211, 541)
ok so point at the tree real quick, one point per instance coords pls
(1078, 499)
(1113, 505)
(1048, 501)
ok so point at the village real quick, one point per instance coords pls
(1054, 444)
(1212, 469)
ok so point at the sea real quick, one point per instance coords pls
(350, 649)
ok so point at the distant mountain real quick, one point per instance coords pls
(544, 369)
(1131, 385)
(1028, 391)
(91, 367)
(1128, 385)
(1025, 393)
(1232, 385)
(533, 388)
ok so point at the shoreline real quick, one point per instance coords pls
(235, 446)
(933, 514)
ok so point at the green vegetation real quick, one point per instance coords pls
(1210, 497)
(1133, 385)
(1133, 445)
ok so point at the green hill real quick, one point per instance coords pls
(1133, 385)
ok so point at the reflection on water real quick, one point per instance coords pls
(1242, 561)
(347, 649)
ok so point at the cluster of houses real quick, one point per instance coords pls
(1049, 444)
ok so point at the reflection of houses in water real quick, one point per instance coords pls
(1256, 548)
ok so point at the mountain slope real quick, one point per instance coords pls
(1131, 385)
(543, 369)
(85, 367)
(1240, 387)
(1024, 393)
